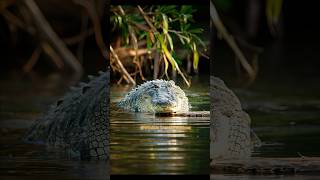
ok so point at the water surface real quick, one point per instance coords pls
(144, 144)
(285, 114)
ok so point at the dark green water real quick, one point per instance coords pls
(286, 117)
(285, 114)
(144, 144)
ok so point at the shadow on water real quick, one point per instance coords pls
(21, 101)
(141, 143)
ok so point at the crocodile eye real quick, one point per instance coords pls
(145, 97)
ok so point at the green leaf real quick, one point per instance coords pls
(198, 40)
(171, 9)
(170, 41)
(188, 40)
(119, 21)
(273, 10)
(165, 25)
(178, 60)
(181, 39)
(195, 57)
(166, 51)
(125, 34)
(185, 27)
(187, 9)
(196, 30)
(136, 18)
(166, 65)
(142, 35)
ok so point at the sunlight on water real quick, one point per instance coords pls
(142, 143)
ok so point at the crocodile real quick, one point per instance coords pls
(78, 123)
(231, 135)
(156, 96)
(230, 132)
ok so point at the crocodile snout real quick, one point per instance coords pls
(163, 101)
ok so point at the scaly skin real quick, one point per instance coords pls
(157, 96)
(230, 125)
(78, 123)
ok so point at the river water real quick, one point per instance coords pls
(285, 114)
(144, 144)
(287, 123)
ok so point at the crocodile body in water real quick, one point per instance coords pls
(231, 135)
(77, 123)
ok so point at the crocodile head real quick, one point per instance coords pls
(157, 96)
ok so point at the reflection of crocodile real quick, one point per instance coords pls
(157, 96)
(230, 125)
(78, 122)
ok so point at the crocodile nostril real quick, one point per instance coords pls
(162, 102)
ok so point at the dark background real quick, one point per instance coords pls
(294, 52)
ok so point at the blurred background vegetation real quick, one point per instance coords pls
(53, 36)
(277, 38)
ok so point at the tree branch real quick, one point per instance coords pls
(230, 41)
(53, 38)
(123, 70)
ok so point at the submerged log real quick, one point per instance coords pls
(260, 165)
